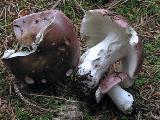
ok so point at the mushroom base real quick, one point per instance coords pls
(122, 99)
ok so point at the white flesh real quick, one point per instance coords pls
(97, 59)
(108, 42)
(8, 53)
(11, 54)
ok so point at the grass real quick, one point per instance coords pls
(143, 15)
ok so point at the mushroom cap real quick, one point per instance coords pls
(98, 23)
(110, 81)
(55, 46)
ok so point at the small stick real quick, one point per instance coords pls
(60, 98)
(84, 11)
(139, 115)
(16, 47)
(2, 12)
(117, 3)
(56, 4)
(5, 20)
(26, 101)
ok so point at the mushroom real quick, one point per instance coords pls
(52, 48)
(109, 39)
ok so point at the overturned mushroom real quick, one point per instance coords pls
(53, 48)
(109, 39)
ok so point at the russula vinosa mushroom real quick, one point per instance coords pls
(54, 52)
(110, 39)
(53, 48)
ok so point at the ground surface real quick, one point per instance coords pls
(144, 15)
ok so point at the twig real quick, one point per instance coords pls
(6, 25)
(0, 101)
(55, 97)
(56, 4)
(139, 115)
(117, 3)
(84, 11)
(13, 115)
(5, 19)
(2, 12)
(16, 47)
(26, 101)
(17, 10)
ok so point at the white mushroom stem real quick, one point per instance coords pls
(96, 61)
(121, 98)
